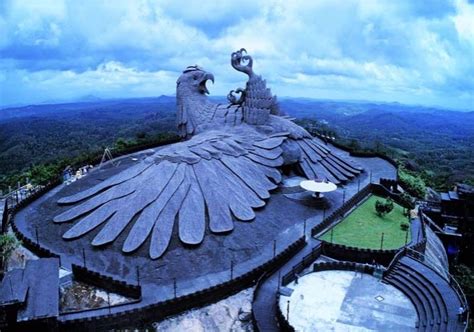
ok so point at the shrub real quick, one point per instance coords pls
(412, 183)
(383, 208)
(406, 200)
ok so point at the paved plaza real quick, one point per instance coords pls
(347, 301)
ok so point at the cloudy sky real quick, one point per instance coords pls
(414, 52)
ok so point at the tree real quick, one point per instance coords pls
(354, 145)
(383, 208)
(121, 144)
(8, 244)
(378, 146)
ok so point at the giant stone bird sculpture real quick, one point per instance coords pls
(225, 169)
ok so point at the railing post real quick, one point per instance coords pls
(84, 256)
(274, 247)
(138, 275)
(381, 242)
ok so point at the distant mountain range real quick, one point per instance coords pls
(439, 140)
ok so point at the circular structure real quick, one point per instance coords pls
(318, 187)
(346, 301)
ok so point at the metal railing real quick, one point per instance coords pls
(15, 196)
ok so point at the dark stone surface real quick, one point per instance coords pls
(213, 255)
(13, 288)
(42, 278)
(249, 245)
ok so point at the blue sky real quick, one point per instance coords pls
(414, 52)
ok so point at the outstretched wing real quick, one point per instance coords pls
(215, 177)
(319, 162)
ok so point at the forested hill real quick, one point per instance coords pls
(44, 133)
(438, 143)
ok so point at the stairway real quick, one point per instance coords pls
(435, 301)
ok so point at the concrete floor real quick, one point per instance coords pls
(347, 301)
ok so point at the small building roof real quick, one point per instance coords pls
(40, 282)
(13, 288)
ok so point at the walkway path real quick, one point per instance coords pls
(264, 306)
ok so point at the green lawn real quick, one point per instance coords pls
(362, 228)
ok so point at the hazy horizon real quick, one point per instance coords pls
(92, 99)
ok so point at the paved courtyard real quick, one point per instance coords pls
(347, 301)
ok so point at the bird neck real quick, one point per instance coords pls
(192, 111)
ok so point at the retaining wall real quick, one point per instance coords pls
(161, 310)
(303, 264)
(32, 245)
(106, 282)
(360, 255)
(341, 211)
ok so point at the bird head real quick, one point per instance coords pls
(191, 96)
(192, 82)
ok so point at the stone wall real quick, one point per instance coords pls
(108, 283)
(160, 310)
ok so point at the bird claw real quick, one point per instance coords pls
(242, 62)
(233, 99)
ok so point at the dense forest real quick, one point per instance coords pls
(435, 144)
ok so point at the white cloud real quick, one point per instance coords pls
(398, 50)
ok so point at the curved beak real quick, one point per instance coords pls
(202, 84)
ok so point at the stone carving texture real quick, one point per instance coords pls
(223, 171)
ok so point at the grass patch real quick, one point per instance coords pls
(363, 228)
